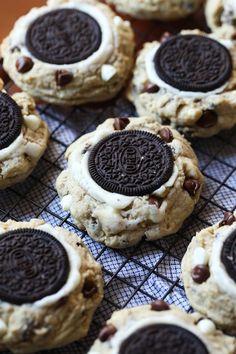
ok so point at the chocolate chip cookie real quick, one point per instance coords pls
(70, 52)
(130, 178)
(209, 273)
(187, 81)
(50, 286)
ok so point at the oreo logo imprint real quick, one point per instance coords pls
(33, 265)
(131, 163)
(163, 339)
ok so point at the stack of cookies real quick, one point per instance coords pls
(131, 179)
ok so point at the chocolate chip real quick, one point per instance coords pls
(208, 119)
(120, 123)
(165, 36)
(166, 134)
(24, 64)
(89, 288)
(229, 218)
(165, 121)
(200, 273)
(106, 332)
(63, 77)
(150, 88)
(159, 305)
(153, 200)
(191, 185)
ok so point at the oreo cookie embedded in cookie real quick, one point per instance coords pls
(228, 255)
(10, 120)
(193, 63)
(163, 339)
(33, 264)
(64, 36)
(132, 163)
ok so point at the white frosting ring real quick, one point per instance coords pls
(17, 36)
(217, 268)
(78, 164)
(74, 272)
(133, 325)
(156, 80)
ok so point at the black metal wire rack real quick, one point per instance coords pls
(148, 271)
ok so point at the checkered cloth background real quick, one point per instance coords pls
(148, 271)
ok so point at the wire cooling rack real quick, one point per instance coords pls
(148, 271)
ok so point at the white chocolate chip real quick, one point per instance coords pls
(107, 72)
(66, 202)
(117, 20)
(33, 149)
(206, 326)
(32, 121)
(200, 257)
(3, 328)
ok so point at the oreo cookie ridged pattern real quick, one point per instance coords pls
(163, 339)
(131, 163)
(193, 63)
(33, 265)
(10, 122)
(63, 36)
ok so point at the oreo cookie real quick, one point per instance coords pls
(33, 264)
(10, 120)
(63, 36)
(228, 255)
(163, 339)
(132, 163)
(193, 63)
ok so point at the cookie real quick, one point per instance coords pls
(209, 273)
(50, 286)
(157, 9)
(62, 51)
(160, 328)
(221, 17)
(130, 178)
(187, 81)
(23, 138)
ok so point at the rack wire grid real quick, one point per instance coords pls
(150, 270)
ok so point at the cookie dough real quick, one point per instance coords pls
(160, 328)
(23, 138)
(194, 113)
(70, 52)
(221, 17)
(157, 9)
(50, 286)
(116, 199)
(208, 269)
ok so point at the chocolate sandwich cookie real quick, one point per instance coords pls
(59, 52)
(10, 122)
(156, 9)
(128, 180)
(23, 138)
(192, 72)
(131, 163)
(44, 273)
(34, 265)
(209, 272)
(153, 329)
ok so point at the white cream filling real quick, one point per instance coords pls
(217, 268)
(17, 36)
(163, 318)
(74, 272)
(229, 13)
(78, 164)
(16, 145)
(156, 80)
(200, 256)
